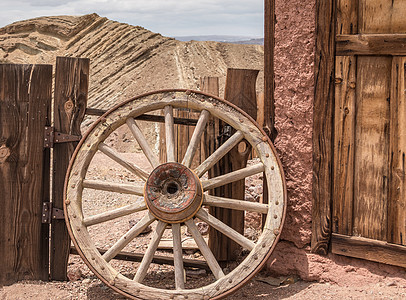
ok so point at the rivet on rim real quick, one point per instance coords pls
(267, 155)
(276, 232)
(277, 202)
(272, 168)
(76, 173)
(275, 216)
(72, 186)
(188, 92)
(111, 282)
(255, 257)
(67, 202)
(265, 138)
(241, 120)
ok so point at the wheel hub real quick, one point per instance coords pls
(173, 193)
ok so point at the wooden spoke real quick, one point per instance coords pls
(232, 177)
(219, 153)
(235, 204)
(169, 134)
(116, 213)
(206, 252)
(129, 236)
(114, 155)
(139, 136)
(178, 257)
(125, 188)
(149, 254)
(196, 137)
(225, 229)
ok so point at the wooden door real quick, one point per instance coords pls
(369, 137)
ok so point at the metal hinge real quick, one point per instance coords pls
(49, 213)
(52, 137)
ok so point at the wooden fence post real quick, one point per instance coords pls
(25, 101)
(71, 92)
(240, 90)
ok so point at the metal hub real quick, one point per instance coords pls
(173, 193)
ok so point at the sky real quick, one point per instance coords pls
(168, 17)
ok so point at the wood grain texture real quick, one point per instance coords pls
(397, 177)
(25, 99)
(70, 101)
(372, 147)
(371, 44)
(369, 249)
(269, 70)
(344, 144)
(323, 125)
(381, 16)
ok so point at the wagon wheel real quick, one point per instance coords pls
(174, 195)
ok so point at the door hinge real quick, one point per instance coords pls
(50, 213)
(51, 137)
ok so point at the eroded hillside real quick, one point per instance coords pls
(126, 60)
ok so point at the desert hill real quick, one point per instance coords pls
(126, 60)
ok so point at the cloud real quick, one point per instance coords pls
(169, 17)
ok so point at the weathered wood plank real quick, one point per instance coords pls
(347, 17)
(71, 92)
(369, 249)
(239, 90)
(397, 177)
(379, 16)
(269, 72)
(372, 147)
(322, 125)
(371, 44)
(344, 135)
(25, 99)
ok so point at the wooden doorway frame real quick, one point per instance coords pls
(323, 125)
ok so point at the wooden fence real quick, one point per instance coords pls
(34, 242)
(25, 163)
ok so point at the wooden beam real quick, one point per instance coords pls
(269, 73)
(323, 125)
(371, 44)
(25, 104)
(240, 90)
(397, 169)
(157, 259)
(369, 249)
(146, 117)
(71, 92)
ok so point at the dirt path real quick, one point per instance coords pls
(92, 289)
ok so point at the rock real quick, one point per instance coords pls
(74, 274)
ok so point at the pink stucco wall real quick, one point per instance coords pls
(294, 76)
(294, 95)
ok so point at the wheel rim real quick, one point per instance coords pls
(164, 213)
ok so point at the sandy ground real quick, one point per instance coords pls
(92, 289)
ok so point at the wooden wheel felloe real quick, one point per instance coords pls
(175, 195)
